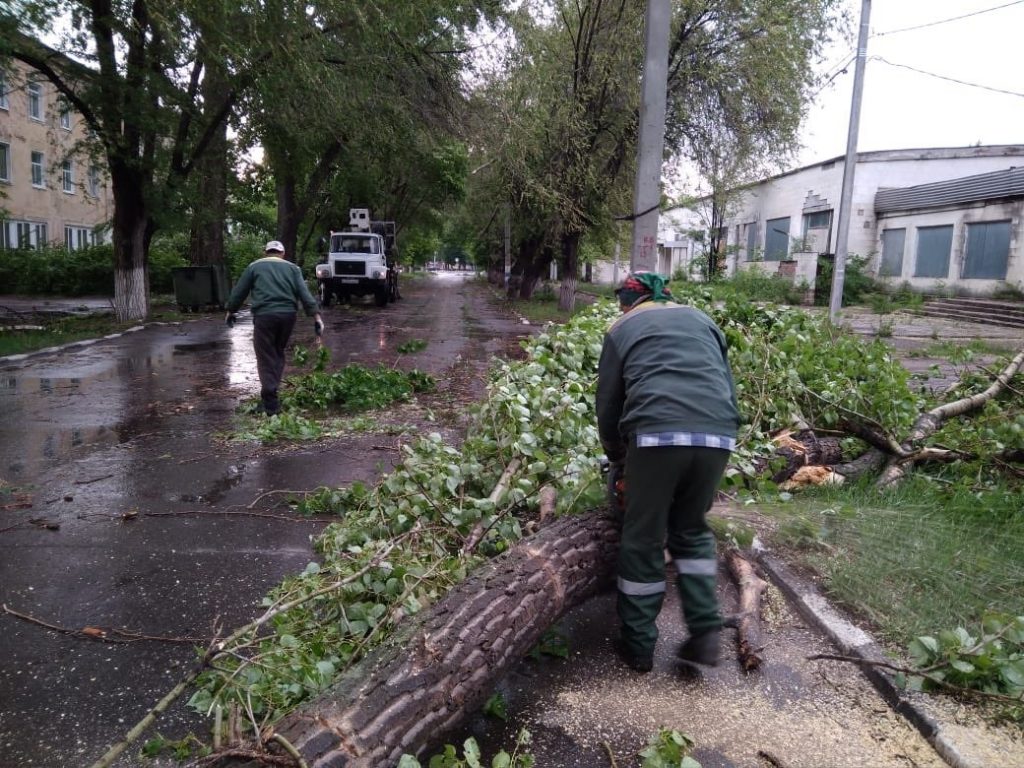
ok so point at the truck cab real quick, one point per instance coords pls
(360, 262)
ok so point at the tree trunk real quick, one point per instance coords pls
(530, 250)
(131, 246)
(570, 271)
(206, 240)
(287, 212)
(410, 692)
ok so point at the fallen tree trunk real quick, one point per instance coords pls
(422, 682)
(750, 641)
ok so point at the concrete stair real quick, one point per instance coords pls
(1007, 314)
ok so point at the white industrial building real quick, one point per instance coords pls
(938, 219)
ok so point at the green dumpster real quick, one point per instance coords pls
(200, 287)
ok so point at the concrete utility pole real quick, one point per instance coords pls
(651, 144)
(849, 167)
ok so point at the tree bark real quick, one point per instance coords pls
(807, 449)
(131, 240)
(570, 271)
(209, 211)
(750, 642)
(406, 695)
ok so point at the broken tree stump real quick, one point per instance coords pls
(748, 621)
(421, 683)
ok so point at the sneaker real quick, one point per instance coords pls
(701, 649)
(636, 662)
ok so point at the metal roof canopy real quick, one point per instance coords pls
(968, 189)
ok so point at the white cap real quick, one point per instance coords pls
(274, 245)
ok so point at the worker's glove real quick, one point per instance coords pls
(318, 327)
(231, 319)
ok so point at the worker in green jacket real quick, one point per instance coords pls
(667, 417)
(277, 287)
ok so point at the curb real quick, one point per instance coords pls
(855, 642)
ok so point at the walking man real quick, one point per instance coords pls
(667, 417)
(277, 287)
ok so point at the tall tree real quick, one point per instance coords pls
(738, 70)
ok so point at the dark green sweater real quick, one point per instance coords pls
(277, 287)
(663, 368)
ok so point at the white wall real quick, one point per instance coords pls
(959, 218)
(786, 196)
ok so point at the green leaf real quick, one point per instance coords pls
(408, 761)
(471, 751)
(501, 760)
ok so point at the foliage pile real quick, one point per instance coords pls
(354, 388)
(992, 662)
(472, 758)
(404, 543)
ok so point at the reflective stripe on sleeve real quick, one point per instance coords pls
(697, 567)
(639, 588)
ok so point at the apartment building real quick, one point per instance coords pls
(51, 190)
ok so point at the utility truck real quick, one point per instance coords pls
(360, 261)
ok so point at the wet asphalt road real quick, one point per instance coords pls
(129, 425)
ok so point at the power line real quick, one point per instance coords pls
(946, 21)
(944, 77)
(842, 68)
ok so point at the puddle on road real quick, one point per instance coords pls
(108, 394)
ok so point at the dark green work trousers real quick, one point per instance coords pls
(669, 490)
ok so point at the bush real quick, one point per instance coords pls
(56, 271)
(753, 285)
(857, 283)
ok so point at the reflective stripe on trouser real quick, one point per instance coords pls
(668, 492)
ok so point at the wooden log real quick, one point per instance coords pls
(748, 621)
(806, 449)
(407, 694)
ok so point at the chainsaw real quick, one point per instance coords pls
(615, 473)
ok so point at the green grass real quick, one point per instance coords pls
(956, 349)
(64, 330)
(916, 560)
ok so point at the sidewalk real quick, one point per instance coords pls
(56, 305)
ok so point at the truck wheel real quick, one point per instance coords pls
(326, 296)
(380, 297)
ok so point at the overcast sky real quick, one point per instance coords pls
(903, 108)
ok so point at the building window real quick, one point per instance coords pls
(988, 250)
(67, 174)
(817, 220)
(933, 247)
(5, 162)
(4, 103)
(35, 101)
(94, 181)
(22, 234)
(893, 241)
(776, 239)
(37, 169)
(77, 238)
(65, 115)
(751, 239)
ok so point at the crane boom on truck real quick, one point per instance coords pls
(360, 261)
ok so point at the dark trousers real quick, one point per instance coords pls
(269, 338)
(668, 493)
